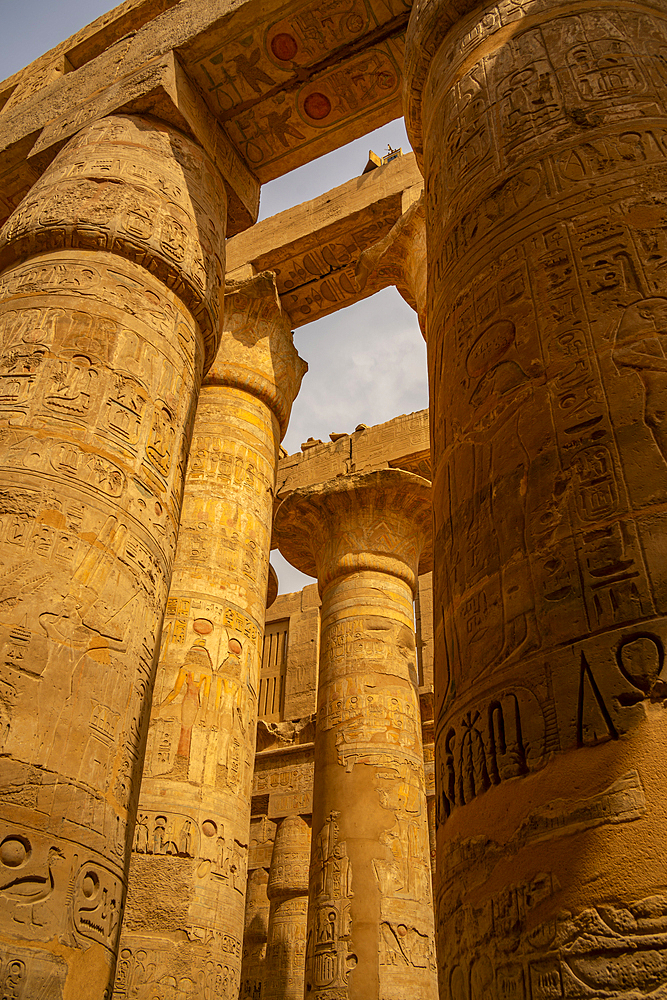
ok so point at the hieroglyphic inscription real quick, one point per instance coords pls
(546, 368)
(87, 527)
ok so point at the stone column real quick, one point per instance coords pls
(541, 131)
(288, 893)
(187, 883)
(253, 966)
(110, 296)
(370, 922)
(400, 258)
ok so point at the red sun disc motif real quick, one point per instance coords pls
(202, 626)
(284, 46)
(317, 106)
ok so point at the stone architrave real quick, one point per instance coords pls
(541, 127)
(187, 882)
(288, 894)
(370, 922)
(400, 259)
(110, 299)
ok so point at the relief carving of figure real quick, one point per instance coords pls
(641, 347)
(209, 698)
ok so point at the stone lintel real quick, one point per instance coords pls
(401, 443)
(285, 93)
(314, 247)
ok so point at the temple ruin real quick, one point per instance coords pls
(437, 771)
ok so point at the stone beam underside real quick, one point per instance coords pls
(283, 80)
(314, 248)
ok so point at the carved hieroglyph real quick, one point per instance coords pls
(288, 893)
(184, 916)
(542, 129)
(370, 923)
(108, 305)
(255, 935)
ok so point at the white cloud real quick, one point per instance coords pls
(367, 364)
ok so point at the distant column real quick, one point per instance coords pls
(109, 309)
(540, 129)
(370, 922)
(288, 893)
(253, 967)
(187, 883)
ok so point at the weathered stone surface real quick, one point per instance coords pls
(288, 893)
(314, 248)
(401, 443)
(255, 935)
(184, 916)
(399, 258)
(101, 365)
(542, 149)
(370, 924)
(133, 187)
(286, 82)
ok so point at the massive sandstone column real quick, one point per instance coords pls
(370, 921)
(543, 131)
(186, 897)
(288, 893)
(109, 308)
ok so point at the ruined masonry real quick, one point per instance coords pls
(439, 770)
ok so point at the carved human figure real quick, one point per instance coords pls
(201, 739)
(362, 535)
(640, 347)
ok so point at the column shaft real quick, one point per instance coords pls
(107, 302)
(186, 899)
(253, 967)
(288, 916)
(542, 141)
(370, 920)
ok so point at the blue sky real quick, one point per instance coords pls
(367, 363)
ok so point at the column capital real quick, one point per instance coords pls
(378, 521)
(401, 257)
(257, 352)
(140, 189)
